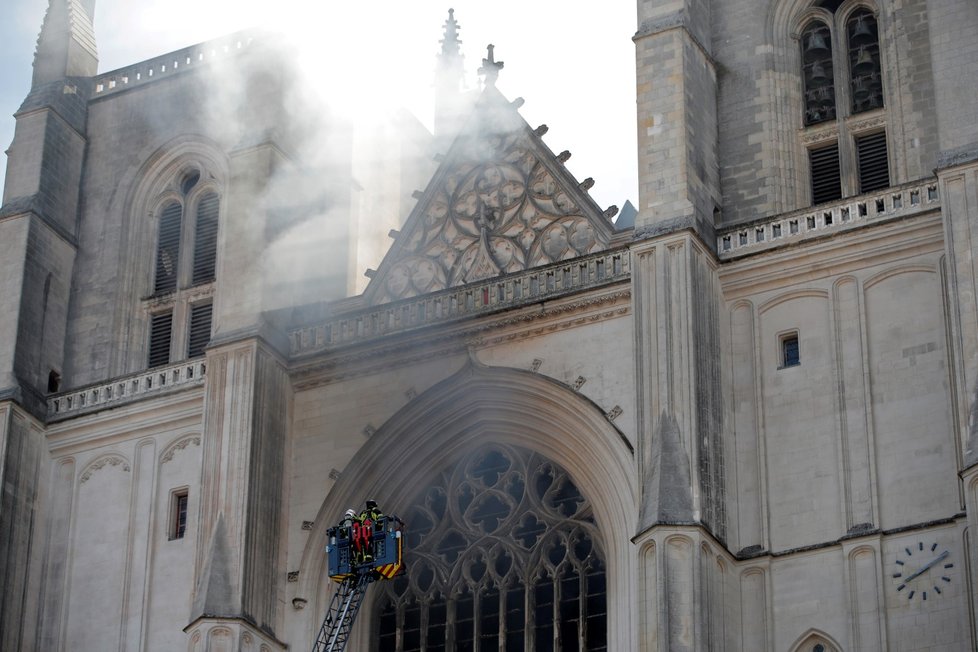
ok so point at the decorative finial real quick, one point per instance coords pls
(490, 67)
(450, 44)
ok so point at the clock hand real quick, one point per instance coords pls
(926, 566)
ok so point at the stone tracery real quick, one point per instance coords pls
(503, 550)
(500, 210)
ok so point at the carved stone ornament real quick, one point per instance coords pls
(179, 446)
(500, 203)
(108, 460)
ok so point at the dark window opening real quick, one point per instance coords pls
(200, 329)
(168, 249)
(189, 181)
(826, 175)
(830, 5)
(790, 352)
(178, 514)
(817, 73)
(160, 332)
(54, 381)
(865, 76)
(871, 155)
(205, 239)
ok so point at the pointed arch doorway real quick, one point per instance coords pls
(482, 432)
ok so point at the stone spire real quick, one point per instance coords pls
(66, 46)
(449, 79)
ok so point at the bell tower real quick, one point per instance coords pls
(38, 229)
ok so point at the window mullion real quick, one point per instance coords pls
(529, 633)
(581, 608)
(399, 638)
(449, 622)
(476, 617)
(186, 244)
(503, 591)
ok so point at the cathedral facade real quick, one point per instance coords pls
(740, 417)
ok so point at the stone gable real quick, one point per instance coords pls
(500, 202)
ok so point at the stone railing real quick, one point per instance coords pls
(896, 202)
(168, 64)
(531, 286)
(127, 389)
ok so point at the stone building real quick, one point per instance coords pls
(742, 418)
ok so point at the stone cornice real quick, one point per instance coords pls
(540, 285)
(958, 156)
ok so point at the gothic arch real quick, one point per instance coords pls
(482, 404)
(896, 271)
(790, 295)
(149, 186)
(813, 637)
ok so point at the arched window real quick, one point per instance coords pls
(180, 309)
(817, 73)
(865, 76)
(504, 555)
(843, 92)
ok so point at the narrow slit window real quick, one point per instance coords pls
(160, 332)
(168, 249)
(874, 170)
(826, 175)
(200, 329)
(790, 351)
(178, 514)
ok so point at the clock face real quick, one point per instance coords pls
(922, 571)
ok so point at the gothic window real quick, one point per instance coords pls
(864, 62)
(504, 555)
(180, 306)
(843, 101)
(817, 73)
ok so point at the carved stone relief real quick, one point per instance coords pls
(499, 210)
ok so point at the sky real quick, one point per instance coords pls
(573, 64)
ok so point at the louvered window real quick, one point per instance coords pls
(874, 171)
(826, 177)
(205, 240)
(168, 249)
(200, 329)
(160, 333)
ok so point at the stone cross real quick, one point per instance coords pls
(490, 67)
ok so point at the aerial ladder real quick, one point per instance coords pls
(353, 573)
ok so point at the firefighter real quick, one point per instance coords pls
(372, 511)
(367, 519)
